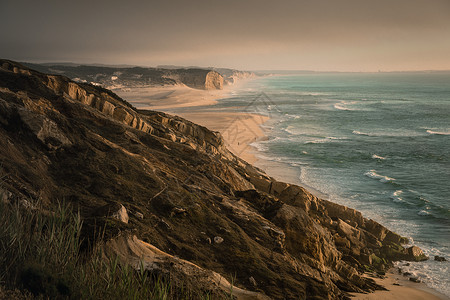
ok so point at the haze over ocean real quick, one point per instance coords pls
(377, 142)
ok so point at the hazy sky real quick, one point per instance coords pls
(344, 35)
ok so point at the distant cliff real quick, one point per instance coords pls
(119, 77)
(197, 78)
(171, 198)
(231, 76)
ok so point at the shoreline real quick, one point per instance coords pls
(240, 130)
(399, 287)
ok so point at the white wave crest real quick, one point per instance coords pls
(438, 132)
(373, 174)
(327, 139)
(375, 156)
(396, 196)
(340, 107)
(359, 133)
(423, 213)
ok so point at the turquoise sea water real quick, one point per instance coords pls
(379, 143)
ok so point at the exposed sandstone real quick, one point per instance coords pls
(140, 254)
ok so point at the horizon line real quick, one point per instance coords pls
(161, 66)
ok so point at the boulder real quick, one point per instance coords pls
(44, 129)
(414, 253)
(439, 258)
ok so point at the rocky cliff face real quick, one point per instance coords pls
(197, 78)
(185, 204)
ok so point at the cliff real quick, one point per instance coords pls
(126, 77)
(197, 78)
(231, 76)
(182, 202)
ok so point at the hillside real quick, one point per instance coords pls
(184, 203)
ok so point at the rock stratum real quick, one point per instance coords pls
(178, 199)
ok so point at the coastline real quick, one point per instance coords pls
(399, 287)
(184, 102)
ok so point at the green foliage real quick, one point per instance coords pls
(40, 252)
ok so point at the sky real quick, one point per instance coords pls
(320, 35)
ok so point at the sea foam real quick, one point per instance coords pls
(373, 174)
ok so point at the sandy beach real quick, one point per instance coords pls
(169, 97)
(399, 287)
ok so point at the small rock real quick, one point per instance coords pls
(114, 210)
(253, 281)
(407, 274)
(407, 264)
(397, 284)
(208, 240)
(121, 214)
(218, 239)
(163, 223)
(177, 211)
(414, 279)
(139, 215)
(439, 258)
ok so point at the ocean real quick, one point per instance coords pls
(379, 143)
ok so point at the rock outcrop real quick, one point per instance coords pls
(192, 206)
(197, 78)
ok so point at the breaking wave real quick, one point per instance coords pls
(373, 174)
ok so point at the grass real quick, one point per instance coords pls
(40, 254)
